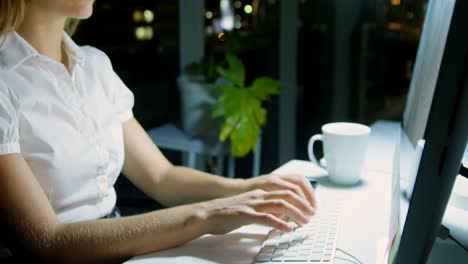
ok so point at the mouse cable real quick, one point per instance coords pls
(349, 260)
(348, 254)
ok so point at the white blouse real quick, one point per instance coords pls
(68, 127)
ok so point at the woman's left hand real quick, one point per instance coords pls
(295, 183)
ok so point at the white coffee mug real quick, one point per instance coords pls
(344, 147)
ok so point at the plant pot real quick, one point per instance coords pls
(196, 102)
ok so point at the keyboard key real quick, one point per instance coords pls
(275, 233)
(270, 242)
(315, 256)
(280, 251)
(316, 249)
(263, 258)
(290, 253)
(283, 245)
(294, 248)
(327, 257)
(277, 257)
(297, 239)
(268, 249)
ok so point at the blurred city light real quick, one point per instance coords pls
(237, 21)
(395, 2)
(221, 36)
(237, 4)
(248, 9)
(395, 26)
(209, 30)
(149, 16)
(227, 15)
(144, 33)
(209, 14)
(137, 16)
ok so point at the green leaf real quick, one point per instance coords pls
(228, 127)
(261, 116)
(235, 71)
(244, 137)
(240, 108)
(264, 87)
(242, 118)
(219, 107)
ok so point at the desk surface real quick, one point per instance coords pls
(241, 246)
(364, 217)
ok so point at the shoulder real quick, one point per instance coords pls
(93, 51)
(95, 55)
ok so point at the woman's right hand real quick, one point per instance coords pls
(256, 207)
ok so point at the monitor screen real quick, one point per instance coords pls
(426, 69)
(434, 129)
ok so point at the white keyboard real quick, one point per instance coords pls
(312, 243)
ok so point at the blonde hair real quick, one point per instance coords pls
(12, 13)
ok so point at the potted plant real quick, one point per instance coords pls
(239, 107)
(216, 102)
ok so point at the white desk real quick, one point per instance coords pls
(365, 217)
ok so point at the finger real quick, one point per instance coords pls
(270, 220)
(287, 185)
(279, 215)
(282, 207)
(293, 199)
(303, 183)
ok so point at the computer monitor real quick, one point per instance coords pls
(436, 124)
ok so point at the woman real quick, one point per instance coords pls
(67, 131)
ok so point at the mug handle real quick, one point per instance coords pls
(310, 149)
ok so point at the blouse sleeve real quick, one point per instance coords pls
(121, 97)
(9, 134)
(118, 93)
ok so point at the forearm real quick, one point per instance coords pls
(147, 168)
(181, 185)
(116, 240)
